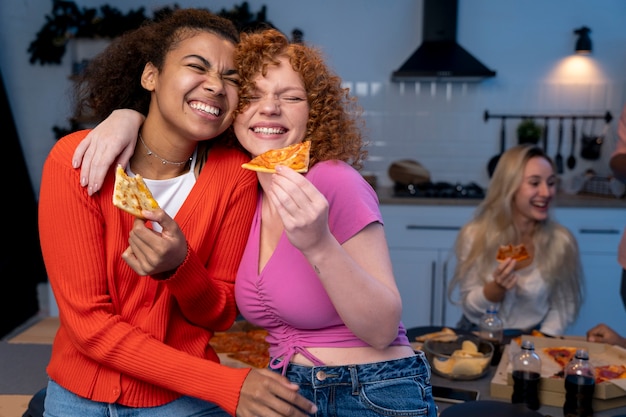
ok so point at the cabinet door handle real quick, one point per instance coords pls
(433, 279)
(600, 231)
(420, 227)
(445, 291)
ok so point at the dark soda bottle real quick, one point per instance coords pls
(526, 389)
(526, 376)
(492, 330)
(580, 385)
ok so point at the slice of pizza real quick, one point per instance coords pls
(517, 252)
(248, 347)
(445, 334)
(560, 354)
(131, 194)
(294, 156)
(255, 358)
(609, 372)
(240, 341)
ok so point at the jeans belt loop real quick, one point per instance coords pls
(354, 377)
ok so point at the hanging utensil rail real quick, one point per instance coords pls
(607, 116)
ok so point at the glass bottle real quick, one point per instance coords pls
(491, 329)
(580, 384)
(526, 376)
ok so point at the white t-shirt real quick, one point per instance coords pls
(172, 192)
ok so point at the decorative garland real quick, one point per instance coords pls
(68, 21)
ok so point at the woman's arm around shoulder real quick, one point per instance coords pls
(110, 142)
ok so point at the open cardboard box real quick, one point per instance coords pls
(552, 390)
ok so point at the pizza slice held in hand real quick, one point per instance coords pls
(517, 252)
(131, 194)
(294, 156)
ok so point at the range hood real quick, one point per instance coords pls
(440, 57)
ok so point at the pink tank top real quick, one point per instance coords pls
(286, 298)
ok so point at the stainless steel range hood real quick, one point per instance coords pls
(440, 57)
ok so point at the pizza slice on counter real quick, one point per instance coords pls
(294, 156)
(248, 347)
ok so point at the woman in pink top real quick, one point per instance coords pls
(316, 271)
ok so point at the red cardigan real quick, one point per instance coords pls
(131, 339)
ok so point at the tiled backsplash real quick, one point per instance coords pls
(441, 125)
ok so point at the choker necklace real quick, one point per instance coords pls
(163, 160)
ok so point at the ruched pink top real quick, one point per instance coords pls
(286, 297)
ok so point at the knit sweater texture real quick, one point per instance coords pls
(136, 340)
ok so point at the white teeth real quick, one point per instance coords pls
(205, 108)
(268, 131)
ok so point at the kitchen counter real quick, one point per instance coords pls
(385, 196)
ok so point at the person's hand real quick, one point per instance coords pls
(604, 334)
(504, 274)
(617, 163)
(150, 252)
(302, 208)
(266, 393)
(111, 142)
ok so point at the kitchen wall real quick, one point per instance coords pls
(528, 43)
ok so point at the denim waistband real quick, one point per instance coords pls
(320, 376)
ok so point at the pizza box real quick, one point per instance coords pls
(552, 391)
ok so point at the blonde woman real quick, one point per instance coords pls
(545, 295)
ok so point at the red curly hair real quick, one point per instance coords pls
(334, 125)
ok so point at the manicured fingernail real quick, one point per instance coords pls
(83, 181)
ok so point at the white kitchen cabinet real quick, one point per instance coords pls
(421, 244)
(598, 232)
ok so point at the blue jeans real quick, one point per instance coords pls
(63, 403)
(391, 388)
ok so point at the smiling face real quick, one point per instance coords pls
(538, 187)
(278, 112)
(196, 91)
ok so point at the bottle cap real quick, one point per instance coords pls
(582, 354)
(527, 344)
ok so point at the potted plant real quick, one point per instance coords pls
(528, 131)
(68, 22)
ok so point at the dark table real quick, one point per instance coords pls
(483, 386)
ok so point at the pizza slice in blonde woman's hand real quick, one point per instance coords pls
(294, 156)
(517, 252)
(131, 194)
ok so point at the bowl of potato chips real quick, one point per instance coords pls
(464, 357)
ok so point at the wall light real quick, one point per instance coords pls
(583, 44)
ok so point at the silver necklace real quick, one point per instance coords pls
(163, 160)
